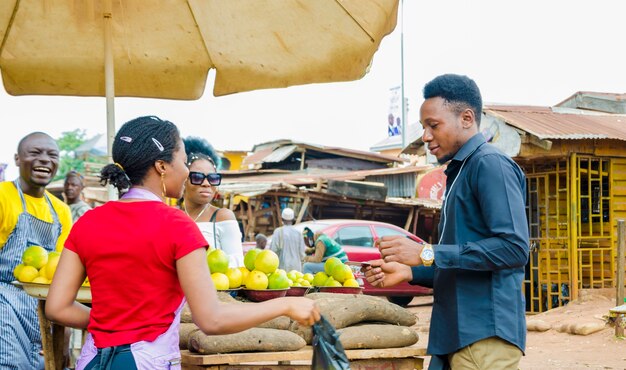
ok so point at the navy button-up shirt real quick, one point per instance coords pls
(479, 263)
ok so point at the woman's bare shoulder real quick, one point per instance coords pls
(225, 214)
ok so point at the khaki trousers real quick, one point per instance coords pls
(487, 354)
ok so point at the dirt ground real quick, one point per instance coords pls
(553, 349)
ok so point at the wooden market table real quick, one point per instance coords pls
(52, 335)
(52, 339)
(404, 358)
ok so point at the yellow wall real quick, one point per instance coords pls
(235, 158)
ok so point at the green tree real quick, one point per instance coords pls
(68, 142)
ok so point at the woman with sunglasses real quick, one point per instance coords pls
(218, 225)
(144, 259)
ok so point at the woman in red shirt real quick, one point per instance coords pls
(143, 258)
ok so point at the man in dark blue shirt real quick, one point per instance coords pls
(477, 268)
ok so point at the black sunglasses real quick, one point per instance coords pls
(197, 178)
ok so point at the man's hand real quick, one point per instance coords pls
(399, 248)
(386, 274)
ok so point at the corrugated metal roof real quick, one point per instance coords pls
(257, 157)
(267, 152)
(546, 123)
(309, 177)
(280, 154)
(601, 95)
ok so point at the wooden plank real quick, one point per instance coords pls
(46, 336)
(409, 219)
(621, 246)
(416, 210)
(303, 208)
(261, 367)
(303, 354)
(377, 364)
(58, 345)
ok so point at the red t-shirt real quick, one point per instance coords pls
(129, 250)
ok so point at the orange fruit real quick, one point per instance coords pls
(220, 280)
(267, 261)
(28, 274)
(257, 280)
(351, 283)
(235, 278)
(17, 270)
(51, 266)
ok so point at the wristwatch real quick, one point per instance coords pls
(428, 254)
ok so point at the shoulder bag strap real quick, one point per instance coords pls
(213, 219)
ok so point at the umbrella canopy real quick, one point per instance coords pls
(165, 48)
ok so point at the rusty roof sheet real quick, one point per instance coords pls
(550, 123)
(601, 95)
(278, 150)
(309, 177)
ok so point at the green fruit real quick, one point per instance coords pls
(331, 282)
(35, 256)
(342, 273)
(250, 257)
(330, 264)
(218, 261)
(319, 279)
(278, 281)
(308, 277)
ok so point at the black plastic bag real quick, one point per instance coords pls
(328, 353)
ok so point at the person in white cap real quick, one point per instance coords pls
(288, 243)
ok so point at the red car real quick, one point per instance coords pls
(357, 238)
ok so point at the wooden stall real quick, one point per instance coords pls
(405, 358)
(575, 164)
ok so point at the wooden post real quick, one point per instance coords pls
(303, 208)
(46, 336)
(574, 262)
(415, 220)
(621, 246)
(409, 220)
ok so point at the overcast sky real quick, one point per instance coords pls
(524, 52)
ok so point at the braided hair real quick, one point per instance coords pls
(138, 144)
(198, 148)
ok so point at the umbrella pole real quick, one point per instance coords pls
(109, 85)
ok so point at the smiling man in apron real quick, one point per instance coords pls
(29, 215)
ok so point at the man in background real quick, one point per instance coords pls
(29, 215)
(261, 241)
(287, 242)
(73, 190)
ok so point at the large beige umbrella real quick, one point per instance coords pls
(165, 48)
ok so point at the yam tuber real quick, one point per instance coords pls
(251, 340)
(377, 336)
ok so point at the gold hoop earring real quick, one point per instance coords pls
(163, 184)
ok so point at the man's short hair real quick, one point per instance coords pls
(260, 236)
(461, 92)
